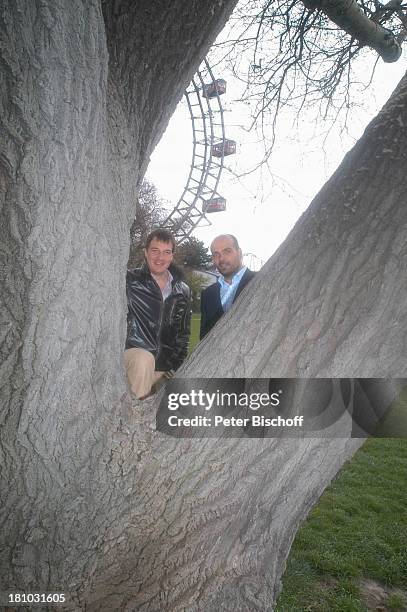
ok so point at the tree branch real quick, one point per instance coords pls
(348, 16)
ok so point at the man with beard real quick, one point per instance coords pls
(234, 276)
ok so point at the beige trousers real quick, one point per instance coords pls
(141, 374)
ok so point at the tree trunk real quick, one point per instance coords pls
(329, 303)
(95, 503)
(84, 97)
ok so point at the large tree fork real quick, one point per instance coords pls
(94, 502)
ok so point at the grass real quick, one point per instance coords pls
(358, 531)
(194, 337)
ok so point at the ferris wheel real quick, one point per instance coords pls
(210, 146)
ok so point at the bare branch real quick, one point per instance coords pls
(348, 15)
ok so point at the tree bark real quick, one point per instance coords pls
(95, 503)
(84, 97)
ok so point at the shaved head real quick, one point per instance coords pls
(227, 255)
(232, 238)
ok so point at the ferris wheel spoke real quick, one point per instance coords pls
(209, 147)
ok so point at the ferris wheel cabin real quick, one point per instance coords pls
(226, 147)
(216, 88)
(217, 204)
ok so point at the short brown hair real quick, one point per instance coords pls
(163, 235)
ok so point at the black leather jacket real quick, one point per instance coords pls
(157, 325)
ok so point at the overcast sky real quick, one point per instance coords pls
(263, 207)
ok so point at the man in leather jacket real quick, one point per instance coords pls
(159, 314)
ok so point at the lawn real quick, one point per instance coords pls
(350, 555)
(194, 337)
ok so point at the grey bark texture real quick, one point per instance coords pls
(94, 502)
(86, 90)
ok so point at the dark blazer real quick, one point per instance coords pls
(211, 306)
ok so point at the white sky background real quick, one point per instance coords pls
(262, 208)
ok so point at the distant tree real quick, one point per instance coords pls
(197, 284)
(150, 213)
(193, 254)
